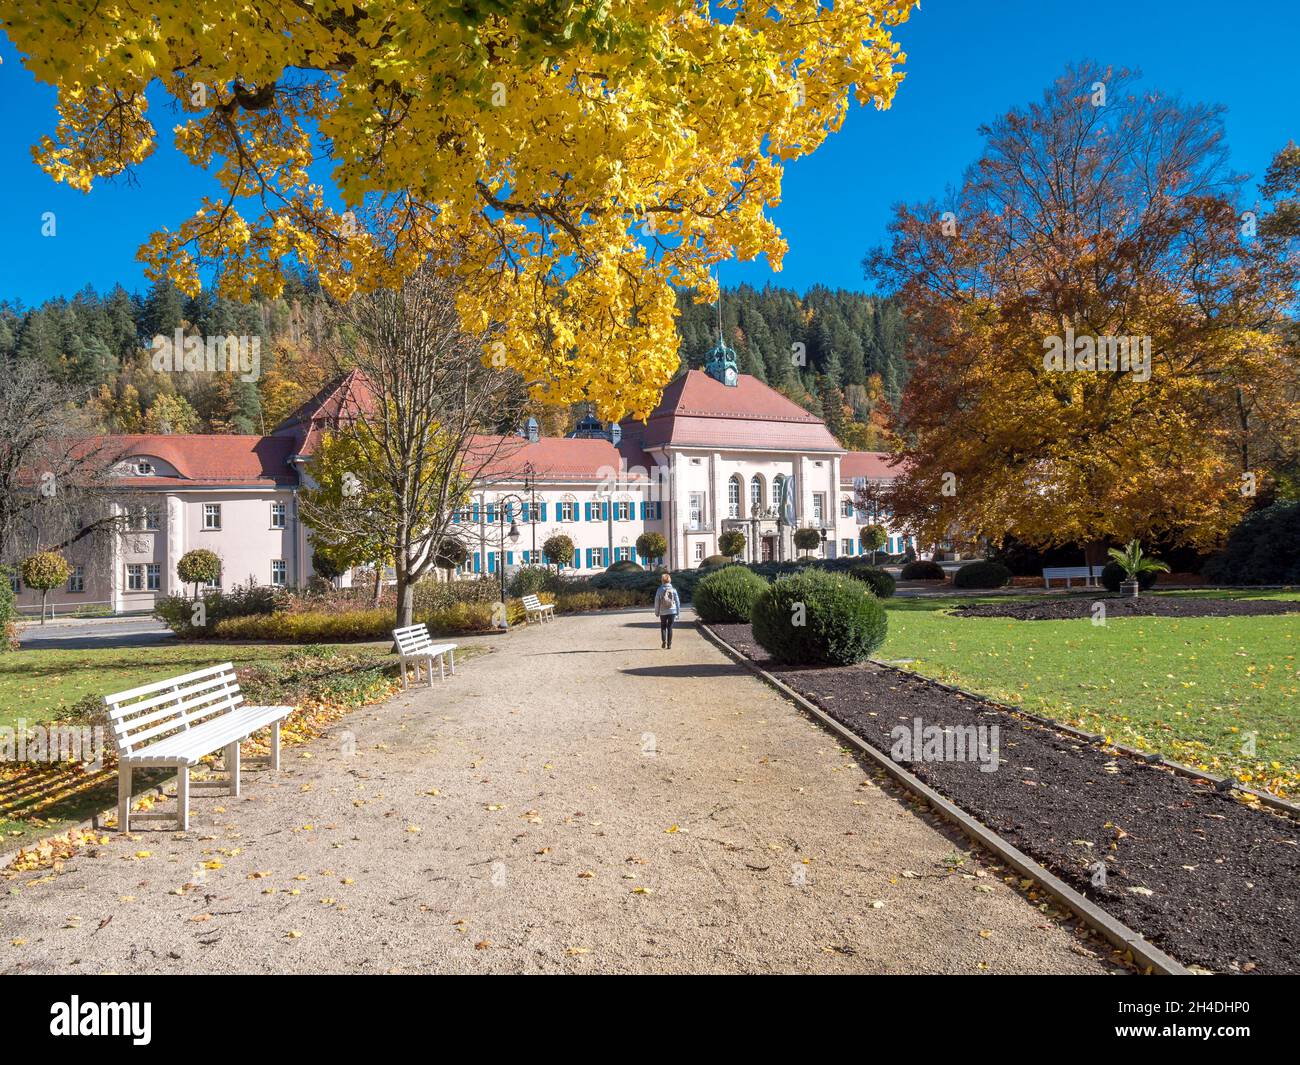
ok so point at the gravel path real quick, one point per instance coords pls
(578, 800)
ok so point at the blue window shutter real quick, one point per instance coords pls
(604, 512)
(455, 517)
(476, 512)
(542, 507)
(478, 559)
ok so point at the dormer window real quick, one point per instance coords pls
(144, 468)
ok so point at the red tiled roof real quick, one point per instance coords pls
(340, 402)
(551, 458)
(697, 411)
(213, 459)
(874, 465)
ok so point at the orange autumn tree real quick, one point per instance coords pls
(585, 156)
(1096, 215)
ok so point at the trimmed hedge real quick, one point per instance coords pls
(982, 575)
(816, 618)
(1112, 574)
(714, 561)
(728, 595)
(1264, 548)
(880, 582)
(923, 569)
(624, 565)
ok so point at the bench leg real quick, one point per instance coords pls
(451, 661)
(442, 669)
(123, 797)
(404, 682)
(232, 766)
(275, 745)
(183, 797)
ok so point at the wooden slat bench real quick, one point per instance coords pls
(175, 722)
(416, 645)
(535, 608)
(1089, 575)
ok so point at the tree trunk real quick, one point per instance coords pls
(405, 601)
(43, 596)
(379, 584)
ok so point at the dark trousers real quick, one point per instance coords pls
(666, 628)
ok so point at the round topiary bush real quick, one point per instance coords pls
(880, 582)
(818, 618)
(199, 566)
(714, 561)
(728, 595)
(923, 569)
(1113, 573)
(624, 565)
(982, 575)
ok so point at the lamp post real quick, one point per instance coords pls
(503, 505)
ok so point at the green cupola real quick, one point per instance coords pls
(721, 364)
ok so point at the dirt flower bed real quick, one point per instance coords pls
(1208, 879)
(1144, 606)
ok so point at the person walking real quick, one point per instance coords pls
(667, 605)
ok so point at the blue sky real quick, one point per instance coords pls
(968, 61)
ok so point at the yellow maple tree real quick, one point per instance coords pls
(581, 158)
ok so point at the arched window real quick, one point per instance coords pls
(733, 497)
(755, 493)
(777, 482)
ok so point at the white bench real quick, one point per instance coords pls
(535, 608)
(1089, 574)
(175, 722)
(415, 644)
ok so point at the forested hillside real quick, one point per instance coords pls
(849, 370)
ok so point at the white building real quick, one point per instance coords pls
(712, 457)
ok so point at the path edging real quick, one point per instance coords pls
(1087, 911)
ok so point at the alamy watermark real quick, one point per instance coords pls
(920, 742)
(1098, 354)
(52, 743)
(195, 354)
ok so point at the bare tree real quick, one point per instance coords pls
(54, 472)
(435, 423)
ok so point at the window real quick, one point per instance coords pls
(144, 519)
(623, 511)
(697, 510)
(846, 507)
(135, 578)
(777, 482)
(212, 515)
(77, 582)
(846, 547)
(144, 468)
(819, 506)
(153, 576)
(567, 509)
(699, 550)
(755, 492)
(213, 586)
(733, 498)
(15, 582)
(623, 554)
(277, 515)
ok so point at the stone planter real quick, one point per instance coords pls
(1129, 588)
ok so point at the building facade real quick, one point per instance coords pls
(721, 452)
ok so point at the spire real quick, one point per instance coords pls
(720, 363)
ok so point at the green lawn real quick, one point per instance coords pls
(44, 685)
(1191, 688)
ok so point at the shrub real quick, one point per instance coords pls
(728, 594)
(731, 543)
(530, 580)
(624, 565)
(45, 571)
(873, 537)
(982, 575)
(1113, 573)
(651, 545)
(714, 561)
(1264, 548)
(596, 599)
(558, 550)
(8, 612)
(923, 570)
(807, 539)
(199, 566)
(878, 580)
(816, 618)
